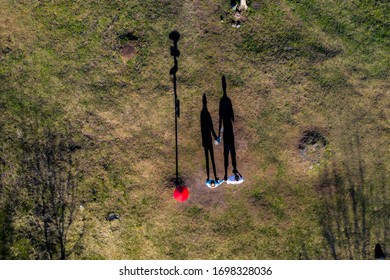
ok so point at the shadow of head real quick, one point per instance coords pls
(204, 101)
(224, 85)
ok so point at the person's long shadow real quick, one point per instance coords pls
(226, 117)
(207, 129)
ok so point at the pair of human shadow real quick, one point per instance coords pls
(226, 119)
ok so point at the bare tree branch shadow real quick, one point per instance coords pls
(353, 206)
(6, 231)
(50, 177)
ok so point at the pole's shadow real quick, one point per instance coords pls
(207, 128)
(175, 36)
(226, 119)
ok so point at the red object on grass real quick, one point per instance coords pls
(181, 193)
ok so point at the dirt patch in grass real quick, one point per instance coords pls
(312, 145)
(128, 52)
(208, 198)
(128, 43)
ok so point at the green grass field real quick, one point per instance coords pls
(83, 125)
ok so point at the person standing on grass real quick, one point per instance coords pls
(207, 129)
(226, 117)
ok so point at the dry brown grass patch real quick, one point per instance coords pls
(128, 52)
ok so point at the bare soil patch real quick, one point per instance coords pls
(128, 52)
(312, 145)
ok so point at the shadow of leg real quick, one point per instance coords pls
(213, 162)
(234, 162)
(206, 153)
(226, 161)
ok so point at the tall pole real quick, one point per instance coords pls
(175, 36)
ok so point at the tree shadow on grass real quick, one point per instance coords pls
(353, 212)
(50, 176)
(6, 231)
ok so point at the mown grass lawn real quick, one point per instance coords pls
(291, 68)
